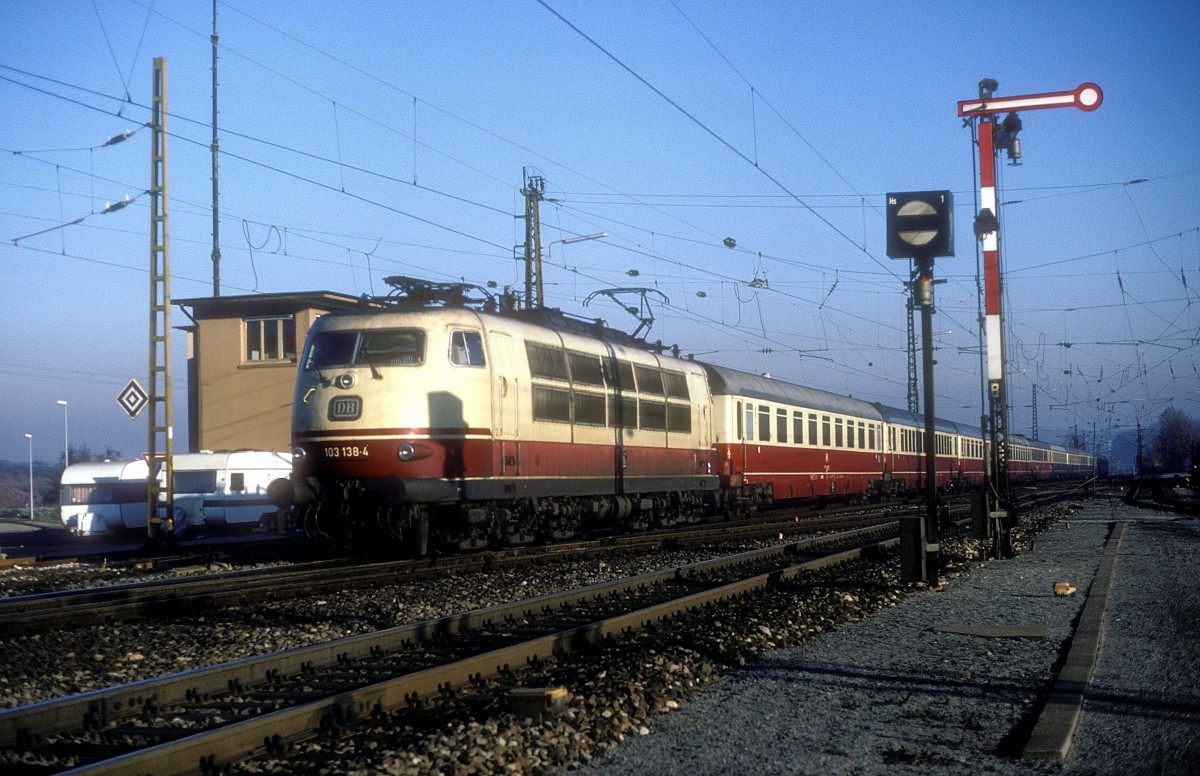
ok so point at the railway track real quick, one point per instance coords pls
(198, 720)
(39, 613)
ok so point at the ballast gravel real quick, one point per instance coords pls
(835, 674)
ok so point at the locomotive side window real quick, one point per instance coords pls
(585, 368)
(652, 415)
(676, 384)
(622, 412)
(589, 408)
(546, 362)
(679, 418)
(649, 380)
(551, 404)
(619, 374)
(466, 348)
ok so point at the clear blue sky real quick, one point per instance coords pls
(365, 139)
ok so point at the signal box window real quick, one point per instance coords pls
(271, 338)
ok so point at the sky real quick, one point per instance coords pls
(360, 140)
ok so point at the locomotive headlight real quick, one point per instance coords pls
(406, 452)
(344, 381)
(298, 454)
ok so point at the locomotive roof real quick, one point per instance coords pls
(725, 381)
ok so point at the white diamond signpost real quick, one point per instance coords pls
(133, 399)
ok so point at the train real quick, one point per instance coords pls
(443, 417)
(212, 490)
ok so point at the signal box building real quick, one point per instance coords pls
(242, 360)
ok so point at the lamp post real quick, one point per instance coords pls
(569, 240)
(66, 437)
(30, 438)
(533, 285)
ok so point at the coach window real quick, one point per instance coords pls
(862, 435)
(466, 348)
(749, 422)
(871, 436)
(826, 437)
(270, 338)
(764, 423)
(781, 425)
(798, 427)
(837, 432)
(812, 429)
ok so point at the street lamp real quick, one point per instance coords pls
(30, 438)
(66, 438)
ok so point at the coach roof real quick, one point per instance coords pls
(731, 382)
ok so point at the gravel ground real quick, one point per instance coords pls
(891, 694)
(871, 686)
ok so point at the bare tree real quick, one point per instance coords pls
(1173, 443)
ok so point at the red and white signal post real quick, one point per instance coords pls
(992, 136)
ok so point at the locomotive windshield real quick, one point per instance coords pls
(388, 347)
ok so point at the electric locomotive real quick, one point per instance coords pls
(443, 416)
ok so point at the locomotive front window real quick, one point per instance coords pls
(388, 348)
(331, 348)
(400, 347)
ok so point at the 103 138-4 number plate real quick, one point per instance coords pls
(346, 451)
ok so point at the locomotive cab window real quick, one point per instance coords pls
(466, 348)
(399, 347)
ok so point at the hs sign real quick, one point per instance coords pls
(920, 224)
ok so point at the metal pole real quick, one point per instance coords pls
(66, 437)
(30, 438)
(216, 245)
(923, 291)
